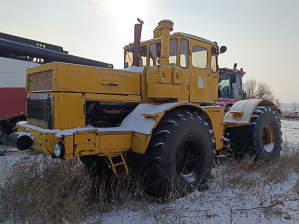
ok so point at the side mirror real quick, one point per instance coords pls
(223, 49)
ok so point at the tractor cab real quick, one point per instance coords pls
(192, 59)
(230, 89)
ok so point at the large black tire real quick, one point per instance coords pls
(261, 138)
(179, 156)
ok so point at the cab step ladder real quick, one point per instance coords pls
(113, 165)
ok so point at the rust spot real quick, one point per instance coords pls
(138, 137)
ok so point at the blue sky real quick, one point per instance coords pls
(261, 36)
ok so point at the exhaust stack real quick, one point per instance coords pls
(137, 37)
(165, 26)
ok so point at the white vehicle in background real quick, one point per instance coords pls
(12, 93)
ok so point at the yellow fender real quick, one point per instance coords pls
(147, 117)
(241, 112)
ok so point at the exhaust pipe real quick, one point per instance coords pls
(137, 37)
(165, 26)
(21, 142)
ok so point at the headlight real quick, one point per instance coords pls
(59, 150)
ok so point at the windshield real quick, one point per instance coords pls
(154, 54)
(224, 86)
(142, 56)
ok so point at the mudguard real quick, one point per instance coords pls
(241, 112)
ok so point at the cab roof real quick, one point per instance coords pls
(177, 34)
(232, 70)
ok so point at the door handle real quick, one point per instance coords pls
(110, 83)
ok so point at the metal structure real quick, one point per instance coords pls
(39, 52)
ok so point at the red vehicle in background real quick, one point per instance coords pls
(230, 88)
(294, 115)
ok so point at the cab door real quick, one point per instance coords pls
(214, 75)
(200, 71)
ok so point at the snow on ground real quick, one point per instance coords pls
(9, 154)
(217, 204)
(290, 133)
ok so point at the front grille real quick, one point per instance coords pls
(37, 109)
(40, 81)
(39, 113)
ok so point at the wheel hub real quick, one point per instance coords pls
(268, 138)
(187, 159)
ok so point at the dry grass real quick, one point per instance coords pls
(249, 173)
(38, 189)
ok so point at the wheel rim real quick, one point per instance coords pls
(268, 138)
(188, 159)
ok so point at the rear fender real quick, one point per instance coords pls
(241, 112)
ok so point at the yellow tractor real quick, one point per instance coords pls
(158, 111)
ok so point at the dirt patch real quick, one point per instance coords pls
(9, 150)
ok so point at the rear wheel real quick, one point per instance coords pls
(261, 138)
(179, 157)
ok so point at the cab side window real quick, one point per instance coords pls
(199, 57)
(184, 46)
(154, 54)
(213, 60)
(173, 49)
(143, 55)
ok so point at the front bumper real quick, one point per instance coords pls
(43, 141)
(84, 141)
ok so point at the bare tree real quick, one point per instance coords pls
(258, 90)
(250, 88)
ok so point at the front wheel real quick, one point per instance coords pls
(179, 157)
